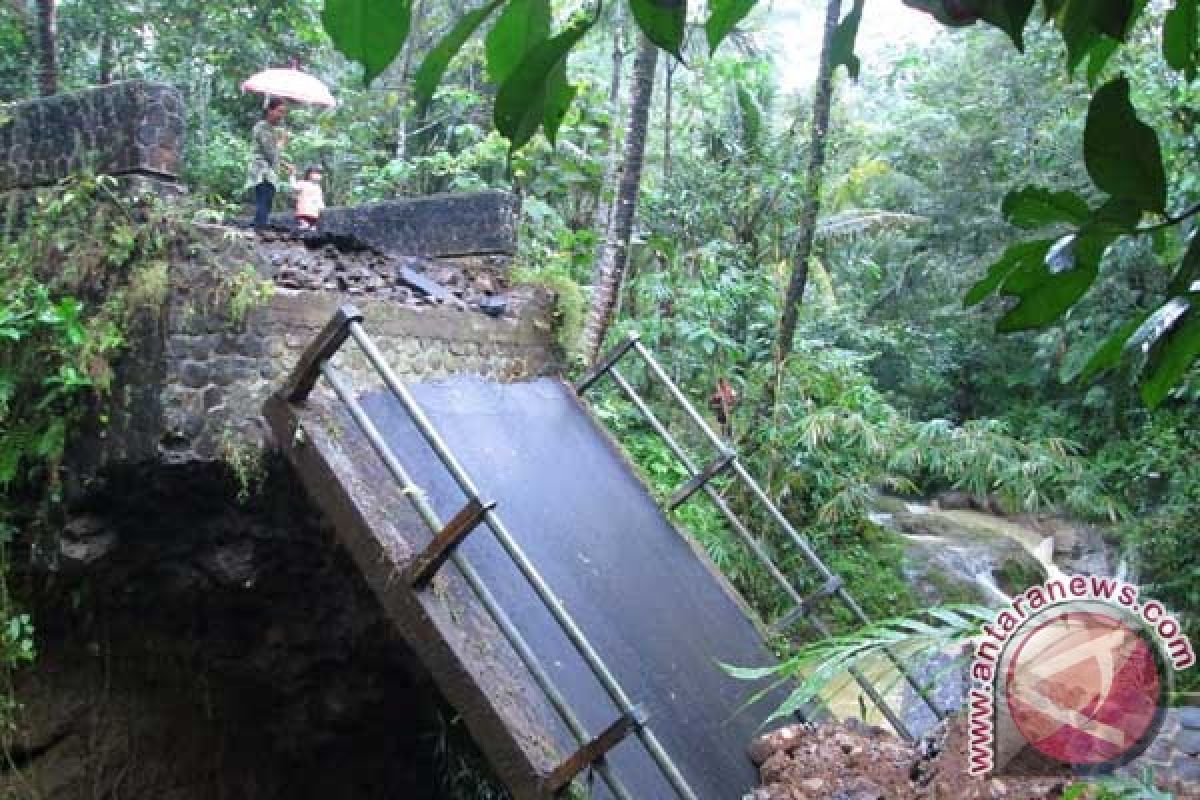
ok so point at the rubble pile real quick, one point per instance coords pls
(318, 262)
(853, 761)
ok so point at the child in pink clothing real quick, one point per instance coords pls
(310, 200)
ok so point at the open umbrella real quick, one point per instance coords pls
(291, 84)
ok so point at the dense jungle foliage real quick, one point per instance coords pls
(941, 158)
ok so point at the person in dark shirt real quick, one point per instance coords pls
(269, 139)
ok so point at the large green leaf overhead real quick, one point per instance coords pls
(723, 17)
(370, 32)
(1181, 37)
(1009, 16)
(522, 25)
(841, 51)
(1017, 256)
(537, 91)
(1090, 25)
(1121, 152)
(663, 21)
(1175, 350)
(430, 73)
(1034, 207)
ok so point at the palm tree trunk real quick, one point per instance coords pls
(402, 109)
(614, 255)
(807, 227)
(47, 25)
(602, 214)
(668, 117)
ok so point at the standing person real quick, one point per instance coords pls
(722, 402)
(310, 199)
(269, 139)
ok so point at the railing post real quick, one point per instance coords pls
(331, 338)
(431, 559)
(608, 363)
(594, 751)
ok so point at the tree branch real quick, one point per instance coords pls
(1169, 221)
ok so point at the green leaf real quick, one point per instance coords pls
(51, 442)
(1118, 216)
(559, 95)
(953, 14)
(1108, 355)
(1173, 356)
(1034, 207)
(370, 32)
(663, 21)
(1112, 17)
(723, 17)
(522, 25)
(523, 100)
(1188, 274)
(1009, 16)
(841, 48)
(1085, 24)
(752, 117)
(430, 73)
(1047, 287)
(1100, 53)
(1044, 295)
(10, 461)
(1015, 256)
(1121, 152)
(1180, 35)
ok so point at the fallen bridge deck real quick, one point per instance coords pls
(656, 610)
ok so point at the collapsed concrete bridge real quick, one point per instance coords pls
(514, 548)
(583, 630)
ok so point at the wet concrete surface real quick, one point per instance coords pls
(655, 611)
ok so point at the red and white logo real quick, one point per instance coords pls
(1084, 687)
(1072, 673)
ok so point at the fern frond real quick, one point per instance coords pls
(914, 639)
(861, 221)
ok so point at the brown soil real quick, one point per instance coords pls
(851, 761)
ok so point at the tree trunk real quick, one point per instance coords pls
(668, 114)
(602, 214)
(610, 264)
(105, 69)
(807, 226)
(402, 110)
(47, 27)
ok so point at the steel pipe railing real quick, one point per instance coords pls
(609, 366)
(751, 541)
(576, 636)
(510, 632)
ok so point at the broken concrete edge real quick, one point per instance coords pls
(518, 736)
(431, 226)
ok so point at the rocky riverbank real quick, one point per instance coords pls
(852, 761)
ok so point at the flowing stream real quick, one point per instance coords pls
(962, 555)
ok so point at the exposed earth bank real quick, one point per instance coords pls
(851, 761)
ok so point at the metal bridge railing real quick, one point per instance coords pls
(347, 323)
(727, 461)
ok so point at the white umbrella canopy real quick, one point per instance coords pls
(291, 84)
